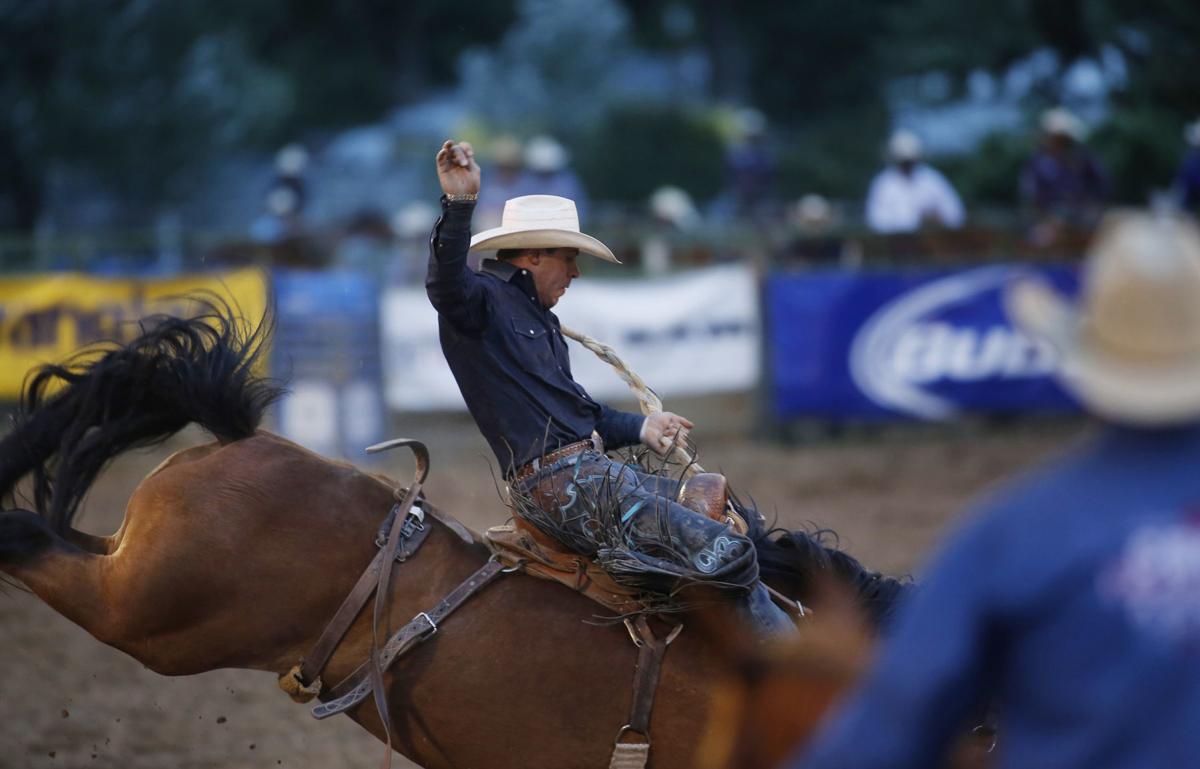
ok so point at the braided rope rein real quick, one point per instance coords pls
(648, 399)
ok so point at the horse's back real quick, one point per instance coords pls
(265, 472)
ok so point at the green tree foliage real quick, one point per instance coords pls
(551, 70)
(656, 145)
(141, 95)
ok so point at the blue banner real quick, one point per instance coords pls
(926, 344)
(327, 349)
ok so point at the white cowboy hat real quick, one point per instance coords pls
(1191, 133)
(291, 160)
(904, 146)
(1060, 121)
(1131, 346)
(540, 221)
(671, 204)
(544, 155)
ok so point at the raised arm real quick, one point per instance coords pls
(455, 291)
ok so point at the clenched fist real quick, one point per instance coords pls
(456, 168)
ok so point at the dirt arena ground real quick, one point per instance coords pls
(68, 702)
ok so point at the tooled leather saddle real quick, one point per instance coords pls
(521, 545)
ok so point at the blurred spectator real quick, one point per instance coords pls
(1062, 185)
(814, 221)
(1073, 596)
(1187, 182)
(548, 174)
(505, 179)
(283, 205)
(411, 226)
(671, 211)
(909, 195)
(290, 164)
(749, 166)
(279, 220)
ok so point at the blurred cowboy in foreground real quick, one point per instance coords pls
(1075, 596)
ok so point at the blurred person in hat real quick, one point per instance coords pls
(1062, 185)
(814, 222)
(671, 212)
(290, 164)
(1073, 597)
(1187, 181)
(285, 199)
(910, 194)
(505, 348)
(549, 173)
(750, 166)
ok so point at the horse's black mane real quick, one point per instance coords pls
(795, 562)
(76, 416)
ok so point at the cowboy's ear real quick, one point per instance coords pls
(535, 256)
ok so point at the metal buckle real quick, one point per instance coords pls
(629, 728)
(428, 619)
(413, 522)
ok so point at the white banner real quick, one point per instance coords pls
(685, 334)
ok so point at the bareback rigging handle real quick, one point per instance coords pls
(420, 454)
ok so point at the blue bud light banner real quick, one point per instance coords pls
(923, 344)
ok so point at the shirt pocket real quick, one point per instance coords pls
(527, 329)
(532, 346)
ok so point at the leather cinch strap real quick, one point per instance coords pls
(651, 650)
(357, 685)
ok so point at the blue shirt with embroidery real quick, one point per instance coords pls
(1075, 599)
(507, 354)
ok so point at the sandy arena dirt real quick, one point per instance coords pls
(69, 702)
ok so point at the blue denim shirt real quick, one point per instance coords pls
(507, 354)
(1075, 598)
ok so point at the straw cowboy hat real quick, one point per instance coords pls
(1131, 346)
(540, 221)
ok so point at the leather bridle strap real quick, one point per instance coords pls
(355, 688)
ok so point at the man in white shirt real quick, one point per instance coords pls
(908, 194)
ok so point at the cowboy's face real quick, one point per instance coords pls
(553, 269)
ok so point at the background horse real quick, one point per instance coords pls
(236, 554)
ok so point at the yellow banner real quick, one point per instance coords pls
(46, 318)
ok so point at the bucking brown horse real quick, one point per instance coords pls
(236, 554)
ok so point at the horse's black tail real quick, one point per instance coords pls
(795, 563)
(75, 417)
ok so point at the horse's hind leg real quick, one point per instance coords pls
(70, 580)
